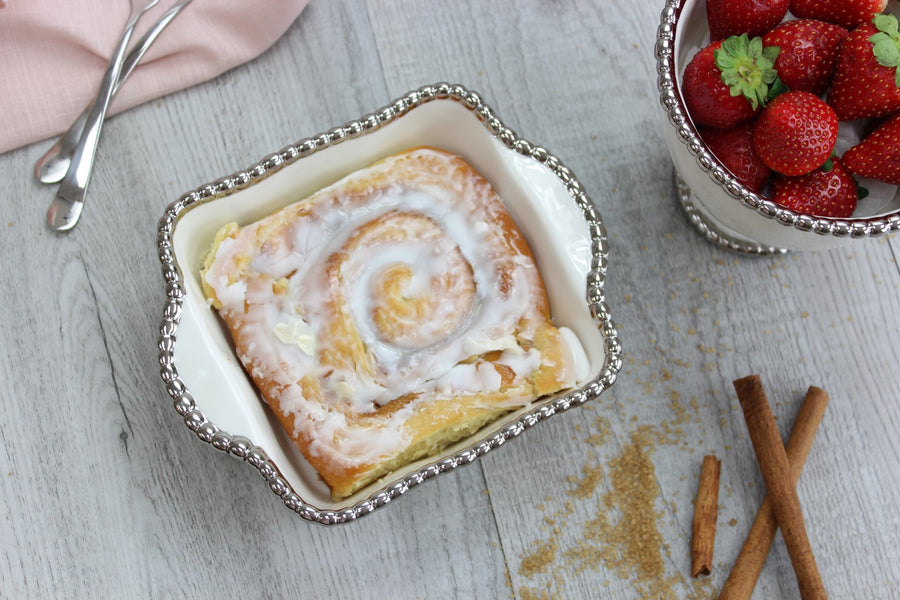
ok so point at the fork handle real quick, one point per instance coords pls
(65, 209)
(52, 166)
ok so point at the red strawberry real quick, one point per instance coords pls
(878, 155)
(734, 17)
(809, 49)
(727, 81)
(866, 78)
(846, 13)
(734, 149)
(831, 193)
(795, 133)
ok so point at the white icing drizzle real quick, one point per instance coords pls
(580, 363)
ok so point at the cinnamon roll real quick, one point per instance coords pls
(389, 315)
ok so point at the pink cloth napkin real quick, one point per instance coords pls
(53, 54)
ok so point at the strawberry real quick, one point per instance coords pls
(832, 193)
(808, 51)
(734, 149)
(728, 81)
(866, 78)
(795, 133)
(878, 155)
(734, 17)
(846, 13)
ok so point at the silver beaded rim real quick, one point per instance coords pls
(245, 449)
(670, 98)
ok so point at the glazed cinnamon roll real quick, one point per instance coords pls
(389, 315)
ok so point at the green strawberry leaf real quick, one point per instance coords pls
(861, 192)
(887, 23)
(748, 68)
(886, 43)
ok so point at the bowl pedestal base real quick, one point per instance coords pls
(713, 230)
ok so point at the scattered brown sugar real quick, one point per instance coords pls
(631, 545)
(634, 492)
(533, 594)
(539, 559)
(622, 538)
(593, 476)
(603, 432)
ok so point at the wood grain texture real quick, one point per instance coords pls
(104, 492)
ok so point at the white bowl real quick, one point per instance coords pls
(726, 212)
(204, 376)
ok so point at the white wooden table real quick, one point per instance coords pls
(105, 492)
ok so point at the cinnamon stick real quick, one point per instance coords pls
(752, 557)
(706, 510)
(776, 472)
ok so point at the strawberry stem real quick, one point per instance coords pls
(748, 68)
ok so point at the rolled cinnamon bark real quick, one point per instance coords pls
(749, 563)
(706, 510)
(776, 472)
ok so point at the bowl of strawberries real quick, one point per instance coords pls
(783, 119)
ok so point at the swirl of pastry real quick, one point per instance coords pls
(388, 314)
(409, 281)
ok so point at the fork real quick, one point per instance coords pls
(52, 166)
(66, 207)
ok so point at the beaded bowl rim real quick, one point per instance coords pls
(243, 448)
(673, 103)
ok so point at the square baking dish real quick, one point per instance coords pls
(204, 377)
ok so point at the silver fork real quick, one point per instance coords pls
(52, 166)
(65, 209)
